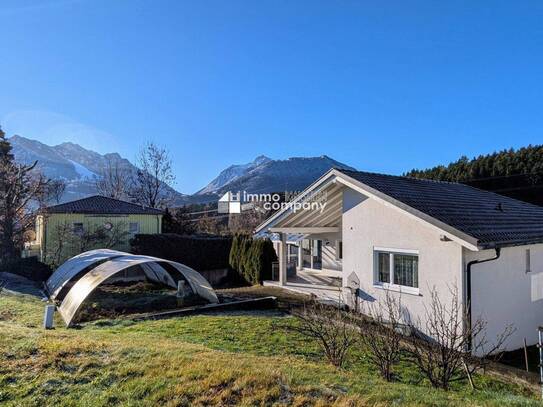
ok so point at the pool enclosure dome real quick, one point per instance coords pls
(79, 276)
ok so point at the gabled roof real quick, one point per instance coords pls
(480, 218)
(490, 218)
(101, 205)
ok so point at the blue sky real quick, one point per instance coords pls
(382, 86)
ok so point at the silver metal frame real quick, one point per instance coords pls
(108, 263)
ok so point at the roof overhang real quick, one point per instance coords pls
(323, 182)
(336, 176)
(306, 230)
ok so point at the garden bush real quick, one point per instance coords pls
(30, 268)
(198, 252)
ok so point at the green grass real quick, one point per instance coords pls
(244, 358)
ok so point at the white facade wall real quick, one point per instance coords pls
(368, 223)
(504, 293)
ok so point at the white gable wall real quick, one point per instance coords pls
(368, 224)
(503, 293)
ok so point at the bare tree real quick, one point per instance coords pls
(247, 221)
(55, 190)
(67, 241)
(382, 335)
(329, 326)
(20, 186)
(114, 181)
(58, 248)
(178, 221)
(212, 225)
(445, 354)
(154, 178)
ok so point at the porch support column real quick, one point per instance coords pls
(311, 244)
(300, 260)
(283, 259)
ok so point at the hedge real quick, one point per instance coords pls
(29, 267)
(198, 252)
(252, 258)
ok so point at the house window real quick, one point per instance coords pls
(134, 227)
(339, 250)
(395, 269)
(77, 228)
(528, 261)
(383, 267)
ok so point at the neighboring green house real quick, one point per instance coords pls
(65, 230)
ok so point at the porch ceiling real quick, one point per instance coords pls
(327, 214)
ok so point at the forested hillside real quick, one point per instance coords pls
(515, 173)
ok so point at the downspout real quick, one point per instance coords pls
(468, 289)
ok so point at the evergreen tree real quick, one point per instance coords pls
(515, 173)
(19, 186)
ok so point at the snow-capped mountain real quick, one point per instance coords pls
(231, 174)
(77, 166)
(264, 175)
(80, 167)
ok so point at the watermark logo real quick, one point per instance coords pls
(229, 203)
(237, 202)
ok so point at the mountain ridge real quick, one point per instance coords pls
(79, 168)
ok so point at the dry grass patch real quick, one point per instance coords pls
(236, 359)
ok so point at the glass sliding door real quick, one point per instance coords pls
(316, 252)
(306, 253)
(292, 260)
(312, 254)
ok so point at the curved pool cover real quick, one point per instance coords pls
(78, 277)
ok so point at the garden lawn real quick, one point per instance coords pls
(229, 359)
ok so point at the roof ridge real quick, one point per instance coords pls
(399, 176)
(500, 196)
(101, 200)
(102, 196)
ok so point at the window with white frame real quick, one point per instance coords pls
(134, 227)
(396, 268)
(77, 228)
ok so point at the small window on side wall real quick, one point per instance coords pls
(397, 269)
(528, 261)
(134, 227)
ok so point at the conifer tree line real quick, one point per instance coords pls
(516, 173)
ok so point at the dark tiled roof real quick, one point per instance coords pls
(103, 205)
(490, 218)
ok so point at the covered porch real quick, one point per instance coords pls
(309, 247)
(311, 283)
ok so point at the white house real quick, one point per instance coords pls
(381, 233)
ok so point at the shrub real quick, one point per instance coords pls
(444, 359)
(252, 258)
(329, 326)
(198, 252)
(382, 335)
